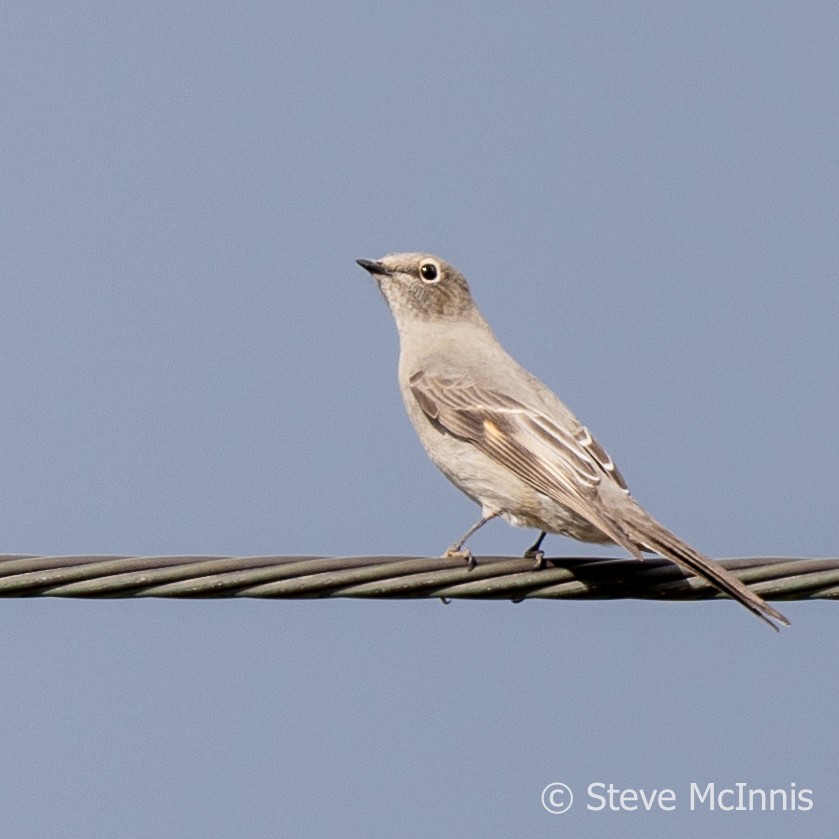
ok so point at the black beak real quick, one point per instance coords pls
(372, 266)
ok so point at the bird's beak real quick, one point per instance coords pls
(372, 266)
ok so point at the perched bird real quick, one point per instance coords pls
(503, 438)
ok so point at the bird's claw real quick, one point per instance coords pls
(538, 558)
(457, 552)
(535, 552)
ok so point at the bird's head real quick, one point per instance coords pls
(419, 286)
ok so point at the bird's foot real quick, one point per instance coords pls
(535, 552)
(538, 558)
(459, 552)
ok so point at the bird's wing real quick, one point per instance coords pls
(557, 457)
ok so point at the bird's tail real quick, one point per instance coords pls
(648, 533)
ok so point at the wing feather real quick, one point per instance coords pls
(565, 464)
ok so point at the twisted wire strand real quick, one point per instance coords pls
(392, 577)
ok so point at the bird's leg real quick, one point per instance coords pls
(535, 552)
(457, 550)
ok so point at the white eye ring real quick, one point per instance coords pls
(429, 272)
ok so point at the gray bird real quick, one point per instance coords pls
(503, 438)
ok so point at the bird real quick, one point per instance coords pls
(505, 439)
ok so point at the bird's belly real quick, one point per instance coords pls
(498, 490)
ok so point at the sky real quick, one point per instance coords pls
(644, 197)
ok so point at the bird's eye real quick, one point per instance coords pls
(429, 271)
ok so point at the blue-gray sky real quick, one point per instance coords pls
(644, 197)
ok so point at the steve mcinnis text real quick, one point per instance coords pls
(737, 797)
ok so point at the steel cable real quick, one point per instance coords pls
(390, 577)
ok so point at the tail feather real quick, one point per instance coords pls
(648, 533)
